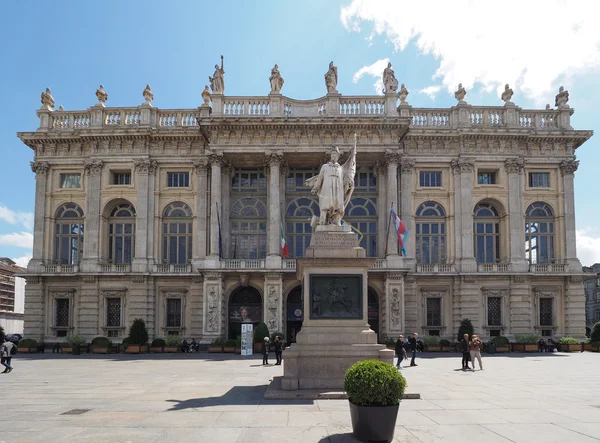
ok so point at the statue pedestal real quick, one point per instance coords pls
(335, 333)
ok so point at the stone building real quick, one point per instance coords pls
(592, 294)
(177, 216)
(12, 296)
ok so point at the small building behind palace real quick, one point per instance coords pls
(12, 296)
(592, 295)
(179, 216)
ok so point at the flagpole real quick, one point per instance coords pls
(220, 241)
(388, 229)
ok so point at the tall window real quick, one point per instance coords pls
(434, 314)
(177, 234)
(301, 206)
(431, 233)
(249, 228)
(361, 211)
(121, 234)
(113, 316)
(494, 311)
(487, 233)
(546, 316)
(61, 320)
(173, 313)
(539, 233)
(68, 237)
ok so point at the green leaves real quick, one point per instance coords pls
(374, 383)
(138, 334)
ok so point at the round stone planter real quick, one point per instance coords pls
(373, 423)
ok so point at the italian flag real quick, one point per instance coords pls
(285, 253)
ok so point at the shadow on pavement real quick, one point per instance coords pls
(340, 438)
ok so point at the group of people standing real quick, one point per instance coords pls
(401, 347)
(278, 344)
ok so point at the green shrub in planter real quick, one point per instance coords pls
(260, 333)
(101, 342)
(74, 340)
(28, 343)
(158, 343)
(172, 341)
(466, 327)
(374, 383)
(430, 340)
(568, 341)
(230, 343)
(218, 342)
(275, 334)
(385, 340)
(238, 342)
(500, 341)
(444, 342)
(595, 335)
(138, 333)
(527, 339)
(126, 342)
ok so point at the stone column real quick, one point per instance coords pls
(574, 307)
(41, 177)
(463, 167)
(407, 213)
(216, 161)
(91, 237)
(274, 160)
(227, 171)
(567, 169)
(514, 168)
(382, 210)
(143, 170)
(273, 302)
(201, 207)
(392, 158)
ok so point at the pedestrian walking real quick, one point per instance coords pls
(464, 347)
(475, 348)
(399, 351)
(412, 342)
(265, 351)
(7, 350)
(278, 349)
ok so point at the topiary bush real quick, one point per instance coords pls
(218, 342)
(568, 341)
(430, 340)
(101, 341)
(466, 327)
(260, 333)
(444, 342)
(527, 339)
(28, 343)
(158, 343)
(172, 340)
(374, 383)
(74, 340)
(595, 335)
(138, 333)
(500, 341)
(275, 334)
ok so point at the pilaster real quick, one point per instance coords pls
(216, 161)
(514, 168)
(41, 179)
(410, 304)
(395, 306)
(88, 322)
(212, 326)
(382, 210)
(463, 168)
(567, 169)
(520, 307)
(34, 323)
(392, 158)
(200, 166)
(470, 299)
(407, 166)
(91, 238)
(144, 218)
(273, 302)
(574, 309)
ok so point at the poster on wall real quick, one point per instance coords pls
(247, 338)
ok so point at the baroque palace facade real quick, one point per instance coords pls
(131, 204)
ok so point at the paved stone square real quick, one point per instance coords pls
(219, 398)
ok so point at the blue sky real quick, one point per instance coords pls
(73, 47)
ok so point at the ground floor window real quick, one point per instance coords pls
(62, 314)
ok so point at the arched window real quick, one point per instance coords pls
(298, 213)
(539, 233)
(68, 239)
(249, 228)
(361, 213)
(121, 234)
(486, 220)
(430, 233)
(177, 234)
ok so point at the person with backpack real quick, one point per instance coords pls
(7, 350)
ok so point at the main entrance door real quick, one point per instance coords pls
(245, 306)
(294, 314)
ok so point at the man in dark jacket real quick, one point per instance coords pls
(413, 348)
(400, 352)
(265, 351)
(278, 349)
(464, 347)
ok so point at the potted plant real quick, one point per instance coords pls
(216, 345)
(374, 390)
(27, 345)
(172, 343)
(229, 346)
(275, 334)
(431, 343)
(157, 345)
(73, 344)
(138, 337)
(260, 333)
(502, 344)
(445, 345)
(101, 345)
(466, 327)
(569, 344)
(594, 340)
(525, 343)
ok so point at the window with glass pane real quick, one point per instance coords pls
(249, 228)
(430, 235)
(113, 312)
(494, 308)
(434, 311)
(486, 178)
(248, 180)
(70, 181)
(546, 314)
(121, 234)
(68, 234)
(430, 179)
(177, 234)
(121, 178)
(178, 179)
(539, 234)
(539, 179)
(62, 313)
(361, 215)
(173, 313)
(487, 233)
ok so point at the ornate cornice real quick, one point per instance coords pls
(40, 168)
(568, 167)
(462, 165)
(146, 166)
(392, 156)
(514, 165)
(93, 166)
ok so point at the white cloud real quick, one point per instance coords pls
(430, 91)
(376, 71)
(18, 239)
(12, 217)
(532, 45)
(22, 261)
(588, 246)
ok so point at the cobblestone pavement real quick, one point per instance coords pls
(219, 398)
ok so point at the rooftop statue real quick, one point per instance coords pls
(276, 80)
(402, 94)
(562, 98)
(47, 100)
(334, 185)
(206, 95)
(217, 81)
(148, 95)
(390, 84)
(460, 93)
(101, 95)
(331, 79)
(507, 95)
